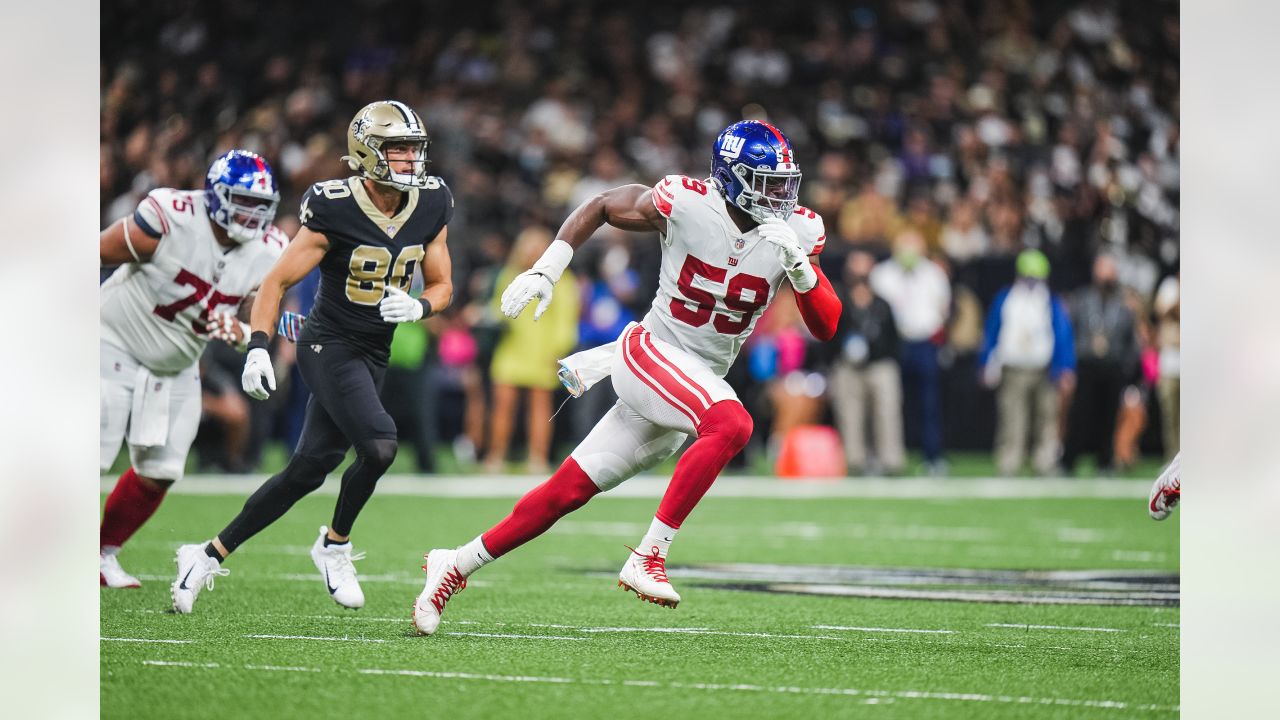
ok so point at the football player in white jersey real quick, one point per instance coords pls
(188, 259)
(728, 243)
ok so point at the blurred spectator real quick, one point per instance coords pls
(223, 405)
(963, 237)
(1028, 350)
(1168, 342)
(525, 358)
(865, 380)
(408, 393)
(608, 296)
(1106, 357)
(919, 293)
(782, 355)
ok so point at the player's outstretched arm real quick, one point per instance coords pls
(302, 255)
(628, 207)
(125, 242)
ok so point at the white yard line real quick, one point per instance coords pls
(521, 637)
(880, 629)
(282, 668)
(310, 578)
(698, 631)
(311, 637)
(790, 690)
(148, 640)
(168, 663)
(485, 486)
(1172, 625)
(1020, 626)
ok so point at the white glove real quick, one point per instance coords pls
(226, 327)
(537, 281)
(257, 367)
(792, 257)
(528, 285)
(400, 307)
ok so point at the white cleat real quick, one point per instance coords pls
(1167, 490)
(646, 576)
(111, 575)
(444, 580)
(195, 570)
(336, 566)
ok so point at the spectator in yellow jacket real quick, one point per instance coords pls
(525, 358)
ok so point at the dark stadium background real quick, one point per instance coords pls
(530, 104)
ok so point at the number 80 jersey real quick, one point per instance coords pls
(715, 280)
(367, 252)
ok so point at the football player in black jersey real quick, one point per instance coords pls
(367, 234)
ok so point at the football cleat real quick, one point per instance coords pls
(195, 570)
(336, 566)
(646, 576)
(111, 575)
(1167, 491)
(444, 580)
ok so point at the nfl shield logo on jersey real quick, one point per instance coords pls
(739, 243)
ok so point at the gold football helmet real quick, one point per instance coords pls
(376, 125)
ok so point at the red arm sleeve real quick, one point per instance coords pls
(820, 308)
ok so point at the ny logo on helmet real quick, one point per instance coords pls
(732, 147)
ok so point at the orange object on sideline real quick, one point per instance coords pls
(811, 451)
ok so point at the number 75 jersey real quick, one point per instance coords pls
(157, 310)
(715, 280)
(368, 252)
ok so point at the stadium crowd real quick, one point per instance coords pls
(988, 170)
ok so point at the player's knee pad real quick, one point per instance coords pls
(377, 453)
(729, 422)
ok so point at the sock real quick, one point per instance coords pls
(328, 542)
(659, 536)
(723, 432)
(212, 552)
(128, 507)
(473, 556)
(567, 490)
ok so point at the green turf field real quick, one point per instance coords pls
(545, 632)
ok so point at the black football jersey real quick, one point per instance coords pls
(367, 251)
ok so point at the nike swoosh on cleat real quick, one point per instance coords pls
(183, 585)
(332, 589)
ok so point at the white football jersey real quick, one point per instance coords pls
(157, 310)
(715, 280)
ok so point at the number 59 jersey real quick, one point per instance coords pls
(157, 310)
(367, 252)
(715, 280)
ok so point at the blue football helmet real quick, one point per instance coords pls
(754, 168)
(241, 195)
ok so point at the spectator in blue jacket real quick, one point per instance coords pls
(1028, 354)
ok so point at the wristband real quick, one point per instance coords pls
(258, 339)
(554, 260)
(426, 308)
